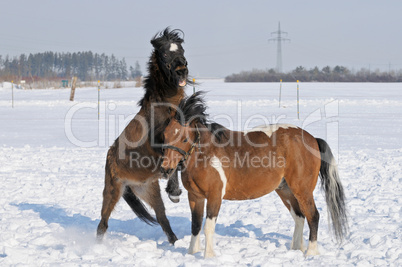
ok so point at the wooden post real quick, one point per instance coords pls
(98, 99)
(12, 94)
(280, 92)
(193, 86)
(298, 111)
(73, 84)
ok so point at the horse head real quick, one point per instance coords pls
(180, 141)
(182, 135)
(169, 56)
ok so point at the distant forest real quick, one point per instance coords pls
(87, 66)
(327, 74)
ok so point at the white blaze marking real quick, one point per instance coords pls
(270, 129)
(173, 47)
(176, 131)
(297, 240)
(209, 230)
(217, 165)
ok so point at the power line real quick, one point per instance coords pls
(279, 39)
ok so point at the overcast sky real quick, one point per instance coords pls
(221, 37)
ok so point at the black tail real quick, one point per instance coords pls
(334, 193)
(136, 205)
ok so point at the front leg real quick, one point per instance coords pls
(197, 212)
(152, 195)
(214, 202)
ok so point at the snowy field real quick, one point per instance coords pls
(52, 155)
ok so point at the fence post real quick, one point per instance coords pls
(298, 110)
(12, 94)
(193, 86)
(280, 92)
(98, 99)
(73, 88)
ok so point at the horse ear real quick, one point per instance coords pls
(172, 111)
(153, 42)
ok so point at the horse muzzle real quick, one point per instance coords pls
(182, 73)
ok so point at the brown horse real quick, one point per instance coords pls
(223, 164)
(133, 161)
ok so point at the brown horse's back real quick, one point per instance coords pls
(257, 161)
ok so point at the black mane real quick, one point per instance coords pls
(193, 109)
(157, 86)
(167, 36)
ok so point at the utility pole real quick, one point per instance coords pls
(279, 39)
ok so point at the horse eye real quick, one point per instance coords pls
(165, 55)
(185, 140)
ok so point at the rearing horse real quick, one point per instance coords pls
(223, 164)
(133, 161)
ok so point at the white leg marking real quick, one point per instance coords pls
(297, 240)
(176, 131)
(217, 165)
(173, 47)
(312, 249)
(195, 244)
(209, 230)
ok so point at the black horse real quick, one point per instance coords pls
(134, 160)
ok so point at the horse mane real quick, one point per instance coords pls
(156, 88)
(193, 108)
(167, 36)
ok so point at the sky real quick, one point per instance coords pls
(221, 37)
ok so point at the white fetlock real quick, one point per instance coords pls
(298, 246)
(297, 240)
(209, 230)
(312, 249)
(209, 254)
(195, 244)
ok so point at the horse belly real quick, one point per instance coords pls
(251, 186)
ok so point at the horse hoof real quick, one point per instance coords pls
(99, 239)
(172, 239)
(209, 255)
(174, 199)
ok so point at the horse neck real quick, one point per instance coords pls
(158, 87)
(175, 100)
(206, 139)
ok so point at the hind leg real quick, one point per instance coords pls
(308, 208)
(173, 188)
(292, 205)
(151, 194)
(111, 195)
(306, 202)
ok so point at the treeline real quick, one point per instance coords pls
(49, 65)
(326, 74)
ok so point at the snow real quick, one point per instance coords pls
(52, 154)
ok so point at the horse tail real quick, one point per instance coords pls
(138, 207)
(334, 193)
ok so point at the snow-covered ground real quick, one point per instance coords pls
(52, 154)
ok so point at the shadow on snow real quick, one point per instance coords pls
(135, 227)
